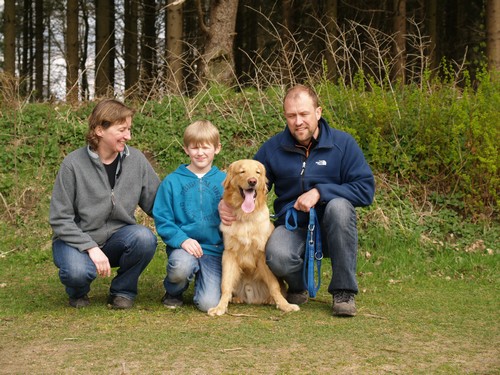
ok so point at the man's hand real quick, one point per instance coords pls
(101, 261)
(192, 247)
(307, 200)
(226, 213)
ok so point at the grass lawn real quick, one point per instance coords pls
(418, 323)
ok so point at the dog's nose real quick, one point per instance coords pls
(252, 181)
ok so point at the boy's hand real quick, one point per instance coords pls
(226, 213)
(192, 247)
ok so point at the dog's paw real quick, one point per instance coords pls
(289, 307)
(217, 311)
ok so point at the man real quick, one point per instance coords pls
(316, 166)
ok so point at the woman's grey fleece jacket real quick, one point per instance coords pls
(85, 211)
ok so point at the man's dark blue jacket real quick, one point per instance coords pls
(335, 166)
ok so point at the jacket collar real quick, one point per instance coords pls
(95, 156)
(325, 138)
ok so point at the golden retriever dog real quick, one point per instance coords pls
(246, 278)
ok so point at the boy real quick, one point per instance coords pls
(187, 219)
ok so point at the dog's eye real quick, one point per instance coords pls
(258, 172)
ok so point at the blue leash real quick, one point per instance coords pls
(313, 251)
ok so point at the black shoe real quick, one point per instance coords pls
(298, 298)
(120, 303)
(78, 303)
(172, 302)
(343, 303)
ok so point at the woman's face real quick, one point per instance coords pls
(112, 140)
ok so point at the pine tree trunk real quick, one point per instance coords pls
(493, 35)
(174, 47)
(39, 30)
(399, 40)
(72, 51)
(103, 82)
(148, 45)
(331, 38)
(432, 6)
(10, 37)
(131, 45)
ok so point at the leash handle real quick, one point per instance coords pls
(313, 255)
(290, 216)
(313, 252)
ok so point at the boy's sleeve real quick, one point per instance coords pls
(164, 217)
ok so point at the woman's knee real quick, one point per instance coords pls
(146, 238)
(76, 274)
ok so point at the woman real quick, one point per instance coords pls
(96, 192)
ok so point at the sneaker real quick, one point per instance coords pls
(120, 303)
(78, 303)
(172, 302)
(343, 303)
(297, 298)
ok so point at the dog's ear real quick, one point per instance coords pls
(229, 176)
(263, 171)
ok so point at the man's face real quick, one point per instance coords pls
(302, 117)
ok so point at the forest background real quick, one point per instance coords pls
(415, 82)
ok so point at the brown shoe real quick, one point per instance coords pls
(343, 303)
(120, 303)
(78, 303)
(297, 298)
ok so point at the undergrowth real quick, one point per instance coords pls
(433, 149)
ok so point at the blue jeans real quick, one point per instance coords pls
(339, 235)
(183, 267)
(131, 248)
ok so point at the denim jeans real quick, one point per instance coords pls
(131, 248)
(183, 267)
(339, 234)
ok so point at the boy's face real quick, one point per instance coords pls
(202, 156)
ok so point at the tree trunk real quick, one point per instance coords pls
(39, 30)
(218, 58)
(432, 6)
(72, 51)
(493, 35)
(112, 46)
(174, 46)
(331, 39)
(27, 51)
(148, 45)
(131, 44)
(398, 72)
(85, 94)
(9, 41)
(103, 82)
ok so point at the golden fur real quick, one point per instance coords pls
(246, 278)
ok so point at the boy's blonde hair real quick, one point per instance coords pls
(201, 132)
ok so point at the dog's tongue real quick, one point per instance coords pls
(249, 204)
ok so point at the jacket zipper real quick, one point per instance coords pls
(302, 174)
